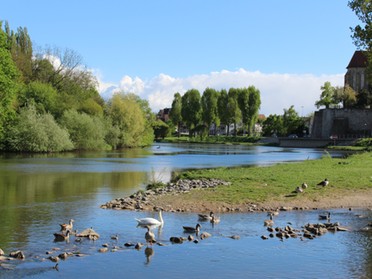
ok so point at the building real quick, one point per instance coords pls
(346, 123)
(163, 114)
(355, 75)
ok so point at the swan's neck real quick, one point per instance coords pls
(161, 217)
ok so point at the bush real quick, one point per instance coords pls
(33, 132)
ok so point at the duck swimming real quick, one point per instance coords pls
(150, 236)
(69, 226)
(61, 236)
(195, 229)
(206, 217)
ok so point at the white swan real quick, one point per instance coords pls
(148, 221)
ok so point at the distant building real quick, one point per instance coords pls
(163, 114)
(355, 76)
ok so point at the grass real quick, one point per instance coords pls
(261, 184)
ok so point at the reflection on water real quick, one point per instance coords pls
(39, 192)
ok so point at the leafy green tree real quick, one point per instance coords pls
(209, 107)
(233, 110)
(345, 95)
(161, 129)
(175, 112)
(42, 95)
(292, 122)
(223, 112)
(243, 102)
(20, 46)
(34, 132)
(126, 114)
(327, 95)
(8, 84)
(191, 110)
(253, 107)
(86, 132)
(273, 125)
(362, 35)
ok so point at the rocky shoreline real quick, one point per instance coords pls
(153, 199)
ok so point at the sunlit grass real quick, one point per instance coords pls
(259, 184)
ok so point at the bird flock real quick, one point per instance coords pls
(304, 186)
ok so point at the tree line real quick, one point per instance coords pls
(49, 102)
(202, 114)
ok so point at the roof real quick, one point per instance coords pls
(359, 60)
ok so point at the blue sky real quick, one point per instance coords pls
(285, 48)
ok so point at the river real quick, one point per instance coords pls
(39, 192)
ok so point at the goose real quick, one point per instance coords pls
(215, 220)
(148, 221)
(269, 222)
(205, 217)
(195, 229)
(150, 236)
(299, 190)
(69, 226)
(323, 182)
(304, 185)
(325, 217)
(61, 236)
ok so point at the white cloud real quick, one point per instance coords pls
(278, 91)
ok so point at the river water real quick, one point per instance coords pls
(39, 192)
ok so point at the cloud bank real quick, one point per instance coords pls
(278, 91)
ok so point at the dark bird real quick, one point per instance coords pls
(195, 229)
(323, 182)
(205, 217)
(325, 217)
(61, 236)
(150, 236)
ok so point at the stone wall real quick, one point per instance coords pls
(342, 123)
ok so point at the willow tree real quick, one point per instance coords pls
(128, 116)
(175, 112)
(209, 104)
(191, 110)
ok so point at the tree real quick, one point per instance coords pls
(209, 107)
(86, 132)
(254, 104)
(243, 101)
(175, 112)
(191, 110)
(126, 114)
(327, 95)
(233, 110)
(8, 84)
(35, 132)
(292, 122)
(362, 35)
(273, 125)
(223, 112)
(345, 95)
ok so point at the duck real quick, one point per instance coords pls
(324, 182)
(325, 217)
(205, 217)
(195, 229)
(61, 236)
(304, 185)
(269, 222)
(69, 226)
(148, 221)
(150, 236)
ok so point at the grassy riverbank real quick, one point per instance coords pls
(350, 184)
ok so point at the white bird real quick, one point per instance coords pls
(299, 190)
(148, 221)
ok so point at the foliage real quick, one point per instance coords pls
(191, 109)
(210, 108)
(326, 97)
(345, 95)
(161, 129)
(175, 112)
(34, 132)
(8, 84)
(126, 113)
(273, 125)
(86, 132)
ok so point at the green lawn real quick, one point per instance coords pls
(260, 184)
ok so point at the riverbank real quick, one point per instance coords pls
(250, 189)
